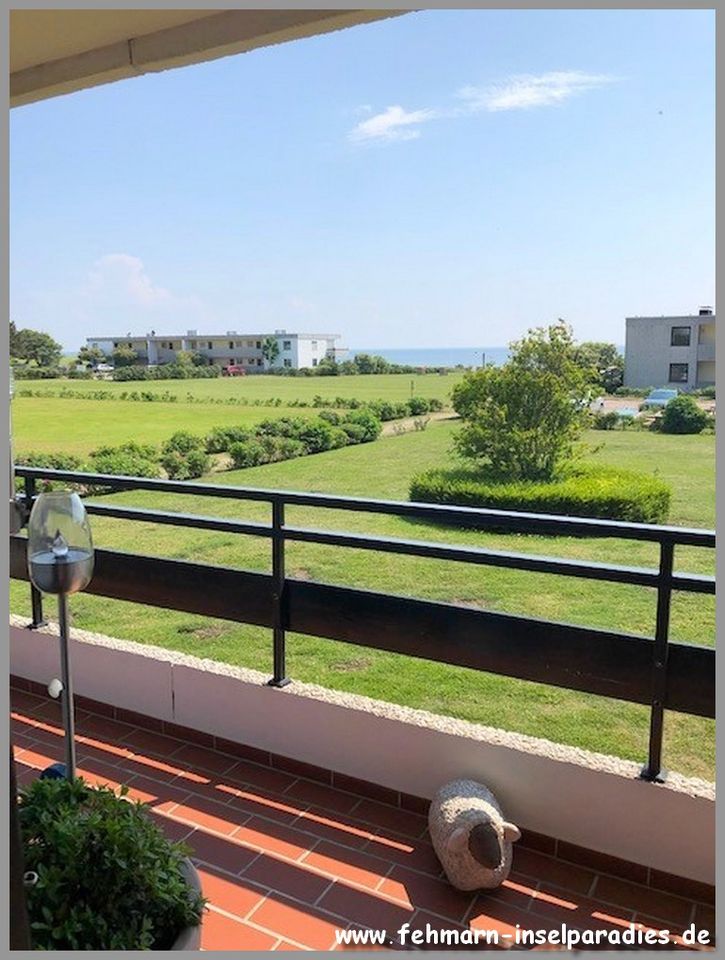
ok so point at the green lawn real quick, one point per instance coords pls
(383, 469)
(389, 386)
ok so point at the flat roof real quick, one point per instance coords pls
(212, 336)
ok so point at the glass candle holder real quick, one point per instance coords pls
(60, 547)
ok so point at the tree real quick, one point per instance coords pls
(270, 351)
(34, 347)
(124, 357)
(91, 356)
(683, 415)
(523, 419)
(603, 363)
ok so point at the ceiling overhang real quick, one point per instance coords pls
(53, 52)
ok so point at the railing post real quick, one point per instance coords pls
(279, 596)
(36, 597)
(653, 770)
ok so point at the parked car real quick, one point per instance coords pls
(658, 399)
(233, 370)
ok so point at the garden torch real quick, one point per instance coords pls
(60, 561)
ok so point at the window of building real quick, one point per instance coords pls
(680, 337)
(115, 343)
(286, 344)
(208, 345)
(314, 344)
(259, 344)
(259, 363)
(287, 362)
(314, 361)
(678, 373)
(250, 343)
(231, 344)
(192, 344)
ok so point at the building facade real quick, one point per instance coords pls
(671, 351)
(296, 350)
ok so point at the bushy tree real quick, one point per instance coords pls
(270, 351)
(124, 357)
(91, 356)
(683, 415)
(524, 418)
(34, 347)
(602, 363)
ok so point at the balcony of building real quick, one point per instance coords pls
(305, 808)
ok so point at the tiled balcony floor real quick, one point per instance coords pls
(287, 861)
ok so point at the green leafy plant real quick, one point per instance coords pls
(581, 491)
(129, 459)
(108, 879)
(683, 415)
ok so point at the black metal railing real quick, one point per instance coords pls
(646, 670)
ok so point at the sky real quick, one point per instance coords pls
(441, 179)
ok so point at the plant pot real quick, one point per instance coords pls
(190, 937)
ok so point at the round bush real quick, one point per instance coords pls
(603, 492)
(108, 879)
(221, 438)
(683, 415)
(248, 453)
(606, 421)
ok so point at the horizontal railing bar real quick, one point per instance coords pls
(474, 517)
(589, 660)
(633, 576)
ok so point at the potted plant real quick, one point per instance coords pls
(101, 875)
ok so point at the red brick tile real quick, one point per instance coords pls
(393, 818)
(246, 772)
(340, 829)
(516, 891)
(501, 919)
(188, 734)
(414, 854)
(242, 751)
(365, 908)
(43, 756)
(258, 802)
(100, 774)
(552, 871)
(138, 719)
(578, 911)
(301, 769)
(104, 728)
(214, 817)
(26, 775)
(347, 864)
(222, 933)
(173, 830)
(221, 852)
(149, 742)
(651, 923)
(17, 683)
(602, 862)
(438, 934)
(201, 759)
(310, 927)
(426, 893)
(320, 795)
(229, 893)
(365, 789)
(165, 794)
(537, 841)
(692, 889)
(641, 899)
(95, 706)
(415, 804)
(287, 946)
(292, 881)
(24, 702)
(274, 838)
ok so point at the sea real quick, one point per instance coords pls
(438, 356)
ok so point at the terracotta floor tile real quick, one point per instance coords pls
(158, 793)
(287, 946)
(502, 920)
(43, 756)
(150, 742)
(200, 758)
(306, 925)
(275, 838)
(348, 864)
(426, 893)
(235, 896)
(541, 867)
(202, 814)
(365, 908)
(104, 728)
(440, 934)
(401, 821)
(321, 796)
(244, 771)
(172, 829)
(222, 933)
(338, 829)
(291, 880)
(641, 899)
(414, 854)
(259, 802)
(220, 852)
(704, 917)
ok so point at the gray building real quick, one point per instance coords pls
(671, 351)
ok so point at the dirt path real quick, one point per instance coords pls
(393, 427)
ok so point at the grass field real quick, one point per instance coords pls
(384, 469)
(390, 386)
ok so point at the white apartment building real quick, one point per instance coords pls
(671, 351)
(296, 350)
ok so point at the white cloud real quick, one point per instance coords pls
(524, 91)
(395, 123)
(125, 276)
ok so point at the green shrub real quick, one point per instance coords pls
(317, 436)
(221, 438)
(25, 372)
(683, 415)
(108, 879)
(365, 419)
(183, 442)
(418, 405)
(331, 416)
(187, 465)
(128, 459)
(52, 461)
(280, 448)
(248, 453)
(355, 432)
(606, 421)
(603, 492)
(435, 405)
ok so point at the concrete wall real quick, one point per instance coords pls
(587, 799)
(649, 352)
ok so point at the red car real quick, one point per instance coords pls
(234, 370)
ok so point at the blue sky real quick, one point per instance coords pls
(446, 178)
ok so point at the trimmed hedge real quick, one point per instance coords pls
(603, 492)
